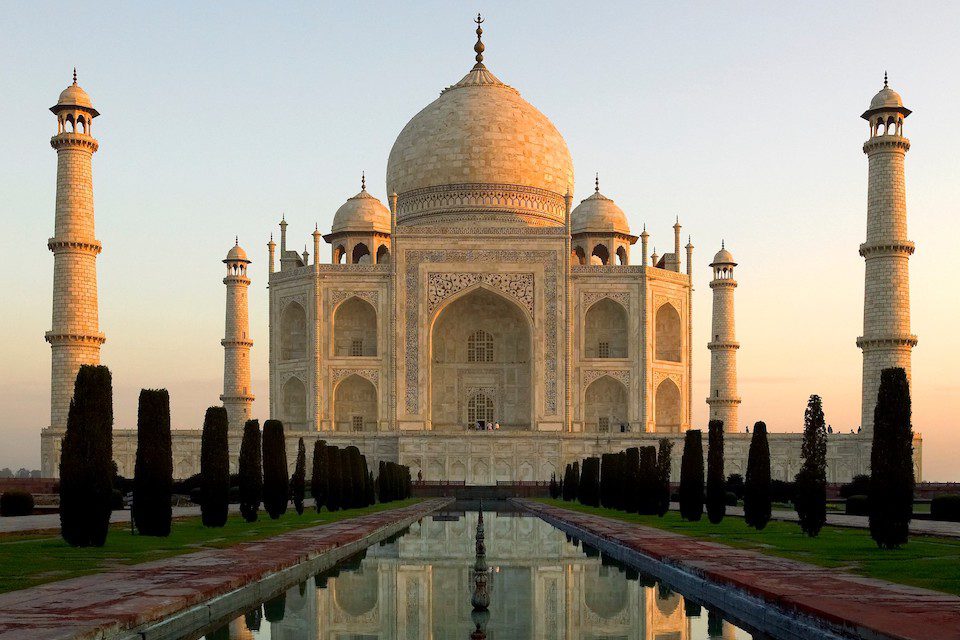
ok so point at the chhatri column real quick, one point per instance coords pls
(886, 340)
(724, 401)
(236, 398)
(75, 336)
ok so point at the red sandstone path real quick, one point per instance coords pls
(127, 597)
(896, 611)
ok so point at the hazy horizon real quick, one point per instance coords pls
(741, 119)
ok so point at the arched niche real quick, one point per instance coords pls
(605, 330)
(503, 373)
(293, 332)
(356, 592)
(355, 329)
(361, 254)
(622, 257)
(600, 255)
(667, 407)
(383, 254)
(603, 591)
(605, 406)
(355, 405)
(294, 401)
(577, 256)
(339, 253)
(668, 334)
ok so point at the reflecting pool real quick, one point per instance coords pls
(417, 586)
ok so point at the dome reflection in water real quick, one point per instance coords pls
(547, 585)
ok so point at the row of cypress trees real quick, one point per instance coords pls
(393, 482)
(636, 480)
(340, 478)
(87, 470)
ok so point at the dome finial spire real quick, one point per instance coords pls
(885, 85)
(363, 180)
(596, 182)
(74, 75)
(236, 241)
(479, 48)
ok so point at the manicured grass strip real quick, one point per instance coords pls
(929, 562)
(28, 560)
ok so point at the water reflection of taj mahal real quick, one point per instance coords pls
(546, 588)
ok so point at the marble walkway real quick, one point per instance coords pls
(106, 604)
(871, 608)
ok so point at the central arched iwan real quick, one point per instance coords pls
(668, 334)
(480, 342)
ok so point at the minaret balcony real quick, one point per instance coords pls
(72, 139)
(238, 342)
(722, 344)
(887, 342)
(876, 249)
(886, 143)
(68, 244)
(66, 337)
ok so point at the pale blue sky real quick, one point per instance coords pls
(742, 118)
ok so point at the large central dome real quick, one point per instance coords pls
(480, 152)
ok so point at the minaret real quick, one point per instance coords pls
(676, 242)
(75, 336)
(886, 340)
(724, 401)
(236, 342)
(644, 241)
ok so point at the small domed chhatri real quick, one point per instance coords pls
(74, 96)
(723, 257)
(236, 253)
(600, 214)
(362, 212)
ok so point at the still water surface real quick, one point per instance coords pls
(416, 586)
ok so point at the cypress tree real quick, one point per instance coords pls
(371, 491)
(756, 488)
(382, 482)
(153, 474)
(716, 480)
(589, 488)
(608, 480)
(358, 478)
(663, 476)
(86, 460)
(811, 481)
(891, 462)
(347, 480)
(214, 468)
(647, 494)
(631, 479)
(575, 480)
(276, 482)
(318, 476)
(691, 476)
(250, 471)
(567, 493)
(332, 458)
(553, 485)
(298, 481)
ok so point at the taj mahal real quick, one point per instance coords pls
(476, 323)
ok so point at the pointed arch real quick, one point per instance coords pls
(293, 332)
(294, 401)
(605, 406)
(668, 333)
(339, 253)
(503, 372)
(600, 255)
(667, 407)
(383, 254)
(577, 256)
(360, 251)
(355, 405)
(605, 330)
(355, 328)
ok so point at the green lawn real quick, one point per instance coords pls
(933, 563)
(31, 559)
